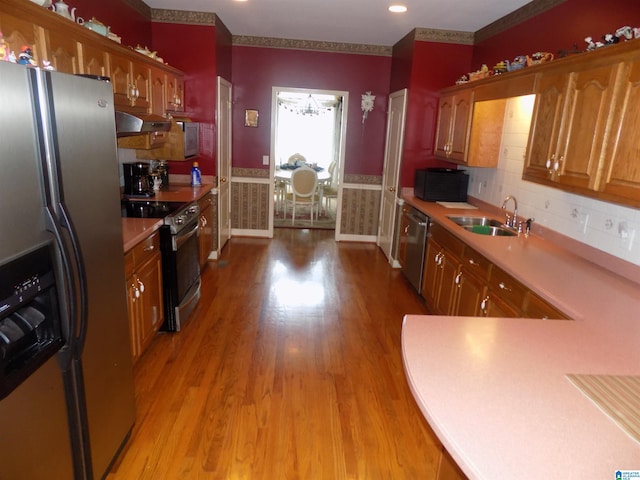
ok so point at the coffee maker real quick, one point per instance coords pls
(136, 180)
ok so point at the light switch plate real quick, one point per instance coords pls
(265, 159)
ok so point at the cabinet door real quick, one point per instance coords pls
(175, 93)
(471, 291)
(454, 112)
(622, 175)
(460, 126)
(151, 308)
(545, 126)
(445, 301)
(431, 277)
(141, 74)
(158, 91)
(445, 119)
(62, 52)
(18, 32)
(403, 235)
(133, 294)
(206, 228)
(586, 116)
(122, 81)
(94, 61)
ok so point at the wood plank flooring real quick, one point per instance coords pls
(291, 368)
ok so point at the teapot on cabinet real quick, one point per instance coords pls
(61, 8)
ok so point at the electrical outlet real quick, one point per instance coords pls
(265, 160)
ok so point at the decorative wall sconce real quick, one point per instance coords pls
(367, 104)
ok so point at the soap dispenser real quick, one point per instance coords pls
(196, 176)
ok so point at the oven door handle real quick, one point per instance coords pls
(182, 237)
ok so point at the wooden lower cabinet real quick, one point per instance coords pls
(448, 470)
(206, 228)
(459, 281)
(144, 292)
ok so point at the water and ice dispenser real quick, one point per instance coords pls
(30, 328)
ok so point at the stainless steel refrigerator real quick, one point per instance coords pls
(67, 401)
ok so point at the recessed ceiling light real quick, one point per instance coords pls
(397, 8)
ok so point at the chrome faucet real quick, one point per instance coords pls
(511, 221)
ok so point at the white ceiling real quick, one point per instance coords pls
(351, 21)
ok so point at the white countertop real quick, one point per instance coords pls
(495, 393)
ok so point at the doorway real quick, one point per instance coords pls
(308, 128)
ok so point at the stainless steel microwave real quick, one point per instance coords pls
(191, 132)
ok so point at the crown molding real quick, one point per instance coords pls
(443, 36)
(530, 10)
(183, 16)
(139, 6)
(319, 46)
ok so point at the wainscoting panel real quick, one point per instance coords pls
(249, 205)
(360, 210)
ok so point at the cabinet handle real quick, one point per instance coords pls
(136, 292)
(149, 248)
(504, 287)
(484, 304)
(141, 285)
(458, 280)
(473, 262)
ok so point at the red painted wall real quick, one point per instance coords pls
(559, 29)
(257, 70)
(125, 21)
(192, 49)
(434, 67)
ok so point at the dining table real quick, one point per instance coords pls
(284, 175)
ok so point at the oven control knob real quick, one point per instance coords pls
(192, 209)
(179, 220)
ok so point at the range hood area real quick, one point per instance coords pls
(128, 124)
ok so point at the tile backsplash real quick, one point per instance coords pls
(611, 228)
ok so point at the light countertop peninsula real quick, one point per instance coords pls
(495, 390)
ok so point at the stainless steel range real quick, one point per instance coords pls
(180, 255)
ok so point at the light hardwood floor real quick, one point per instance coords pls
(291, 368)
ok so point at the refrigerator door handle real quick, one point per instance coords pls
(66, 353)
(80, 330)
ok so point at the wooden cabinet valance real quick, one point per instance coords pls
(71, 48)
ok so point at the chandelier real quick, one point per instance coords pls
(310, 107)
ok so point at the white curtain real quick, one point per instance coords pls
(315, 137)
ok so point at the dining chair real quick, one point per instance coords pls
(304, 185)
(330, 187)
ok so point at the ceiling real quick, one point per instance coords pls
(351, 21)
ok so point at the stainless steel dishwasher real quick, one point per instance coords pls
(414, 233)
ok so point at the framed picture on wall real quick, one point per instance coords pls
(251, 118)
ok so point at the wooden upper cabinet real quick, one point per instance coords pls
(583, 136)
(19, 30)
(94, 60)
(454, 113)
(568, 145)
(175, 93)
(131, 84)
(158, 91)
(621, 174)
(62, 51)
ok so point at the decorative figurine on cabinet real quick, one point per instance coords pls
(4, 49)
(26, 57)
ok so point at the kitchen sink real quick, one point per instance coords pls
(484, 226)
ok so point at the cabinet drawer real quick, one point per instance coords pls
(507, 288)
(472, 261)
(448, 241)
(146, 248)
(205, 201)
